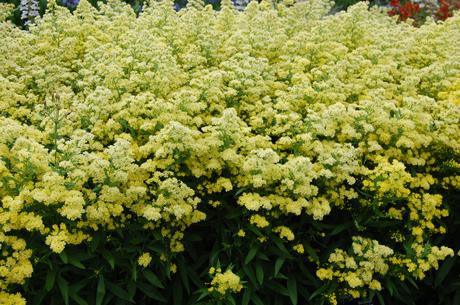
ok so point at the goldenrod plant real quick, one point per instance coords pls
(313, 158)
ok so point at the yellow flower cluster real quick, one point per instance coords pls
(5, 10)
(144, 259)
(452, 91)
(109, 119)
(298, 248)
(259, 221)
(15, 267)
(224, 282)
(426, 258)
(360, 267)
(11, 299)
(284, 232)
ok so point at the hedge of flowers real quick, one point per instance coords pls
(272, 156)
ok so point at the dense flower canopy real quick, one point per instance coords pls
(109, 119)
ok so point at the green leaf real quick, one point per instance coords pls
(255, 230)
(405, 288)
(194, 277)
(308, 275)
(283, 251)
(214, 256)
(155, 248)
(151, 292)
(304, 293)
(444, 270)
(339, 229)
(240, 191)
(203, 293)
(80, 285)
(79, 300)
(232, 214)
(262, 256)
(132, 289)
(64, 257)
(73, 261)
(108, 299)
(153, 279)
(390, 286)
(278, 264)
(411, 280)
(251, 254)
(318, 292)
(259, 273)
(256, 300)
(278, 288)
(281, 276)
(64, 288)
(178, 293)
(100, 291)
(183, 275)
(311, 252)
(248, 271)
(95, 242)
(456, 298)
(109, 258)
(118, 291)
(38, 298)
(231, 300)
(380, 298)
(50, 279)
(292, 289)
(246, 296)
(134, 272)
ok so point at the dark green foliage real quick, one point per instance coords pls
(105, 270)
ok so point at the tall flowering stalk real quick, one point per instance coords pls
(29, 10)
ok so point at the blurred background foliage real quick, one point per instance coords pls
(137, 5)
(418, 10)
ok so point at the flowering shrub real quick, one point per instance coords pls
(317, 156)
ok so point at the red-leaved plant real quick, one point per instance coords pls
(419, 10)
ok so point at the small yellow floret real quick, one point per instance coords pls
(144, 259)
